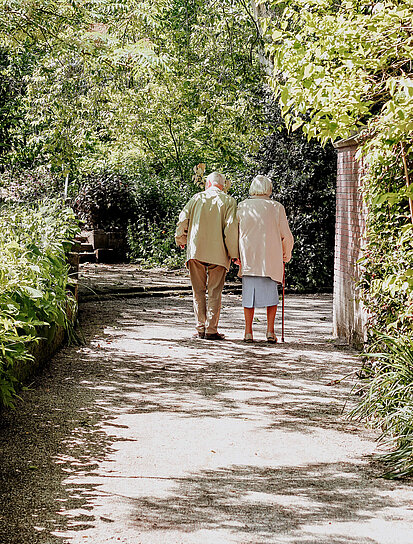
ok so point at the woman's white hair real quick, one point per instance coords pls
(261, 186)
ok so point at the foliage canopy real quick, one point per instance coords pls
(131, 81)
(341, 66)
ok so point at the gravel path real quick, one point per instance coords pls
(146, 436)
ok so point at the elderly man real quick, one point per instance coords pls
(208, 226)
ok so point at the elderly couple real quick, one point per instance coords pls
(256, 236)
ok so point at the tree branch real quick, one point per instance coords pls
(178, 160)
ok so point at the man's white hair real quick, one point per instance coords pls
(261, 186)
(215, 178)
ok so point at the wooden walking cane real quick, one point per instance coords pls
(282, 313)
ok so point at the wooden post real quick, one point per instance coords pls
(406, 175)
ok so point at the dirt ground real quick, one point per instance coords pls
(144, 435)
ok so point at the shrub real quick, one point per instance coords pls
(29, 185)
(387, 401)
(106, 201)
(151, 236)
(386, 283)
(386, 290)
(33, 279)
(151, 246)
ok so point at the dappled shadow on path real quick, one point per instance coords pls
(262, 502)
(160, 368)
(146, 433)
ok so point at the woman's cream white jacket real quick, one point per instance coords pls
(265, 239)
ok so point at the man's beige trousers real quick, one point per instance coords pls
(206, 276)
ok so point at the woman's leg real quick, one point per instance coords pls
(249, 316)
(271, 312)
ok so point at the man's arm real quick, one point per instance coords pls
(181, 232)
(231, 230)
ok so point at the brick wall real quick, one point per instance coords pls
(348, 314)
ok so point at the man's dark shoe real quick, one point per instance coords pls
(199, 335)
(215, 336)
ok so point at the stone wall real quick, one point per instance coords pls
(51, 339)
(349, 317)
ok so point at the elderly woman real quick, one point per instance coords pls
(265, 242)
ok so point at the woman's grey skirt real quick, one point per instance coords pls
(259, 292)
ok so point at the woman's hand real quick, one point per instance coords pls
(237, 262)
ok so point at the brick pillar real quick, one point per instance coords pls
(349, 318)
